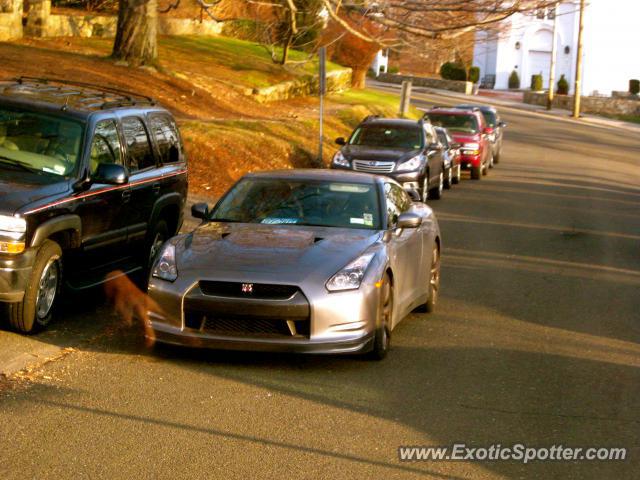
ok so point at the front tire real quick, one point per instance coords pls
(43, 291)
(382, 338)
(448, 178)
(159, 235)
(433, 285)
(458, 176)
(476, 172)
(436, 192)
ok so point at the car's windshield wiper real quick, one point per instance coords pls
(17, 163)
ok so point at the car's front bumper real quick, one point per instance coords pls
(411, 179)
(342, 322)
(15, 271)
(468, 161)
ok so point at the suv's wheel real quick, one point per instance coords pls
(382, 339)
(159, 235)
(436, 192)
(448, 178)
(476, 172)
(424, 189)
(458, 176)
(43, 290)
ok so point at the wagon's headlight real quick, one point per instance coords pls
(12, 231)
(165, 266)
(339, 159)
(350, 277)
(414, 163)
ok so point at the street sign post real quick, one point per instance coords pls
(322, 84)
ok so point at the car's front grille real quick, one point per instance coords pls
(373, 167)
(240, 325)
(247, 290)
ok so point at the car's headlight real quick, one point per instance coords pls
(414, 163)
(350, 277)
(13, 229)
(165, 266)
(339, 159)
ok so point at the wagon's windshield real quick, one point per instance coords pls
(388, 136)
(278, 201)
(39, 143)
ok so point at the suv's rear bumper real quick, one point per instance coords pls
(15, 271)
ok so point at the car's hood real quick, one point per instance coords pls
(465, 137)
(356, 152)
(282, 252)
(19, 189)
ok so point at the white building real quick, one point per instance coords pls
(381, 62)
(611, 55)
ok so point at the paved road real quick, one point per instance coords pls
(536, 340)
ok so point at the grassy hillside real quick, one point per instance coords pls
(204, 82)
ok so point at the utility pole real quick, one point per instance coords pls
(405, 97)
(554, 53)
(577, 89)
(322, 84)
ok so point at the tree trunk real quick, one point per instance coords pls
(359, 76)
(285, 47)
(136, 38)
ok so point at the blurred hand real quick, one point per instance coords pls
(129, 302)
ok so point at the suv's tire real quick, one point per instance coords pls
(435, 193)
(476, 173)
(42, 293)
(448, 178)
(458, 176)
(382, 338)
(159, 235)
(424, 188)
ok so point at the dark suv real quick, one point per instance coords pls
(405, 150)
(91, 180)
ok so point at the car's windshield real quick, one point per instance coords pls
(456, 123)
(41, 143)
(388, 136)
(278, 201)
(489, 118)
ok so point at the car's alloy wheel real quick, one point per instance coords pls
(458, 176)
(424, 194)
(436, 192)
(382, 339)
(434, 280)
(35, 310)
(449, 180)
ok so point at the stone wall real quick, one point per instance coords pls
(337, 80)
(10, 19)
(595, 105)
(453, 85)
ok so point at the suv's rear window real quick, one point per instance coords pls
(390, 136)
(43, 143)
(455, 122)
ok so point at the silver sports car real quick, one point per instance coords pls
(316, 261)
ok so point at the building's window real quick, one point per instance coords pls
(540, 13)
(551, 13)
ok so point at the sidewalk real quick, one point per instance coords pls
(509, 100)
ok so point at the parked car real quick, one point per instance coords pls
(92, 180)
(316, 261)
(493, 121)
(405, 150)
(468, 128)
(451, 151)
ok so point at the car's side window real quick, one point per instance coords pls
(140, 154)
(105, 146)
(398, 202)
(166, 134)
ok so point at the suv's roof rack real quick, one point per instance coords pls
(98, 96)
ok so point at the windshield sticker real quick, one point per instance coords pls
(276, 220)
(57, 169)
(368, 219)
(358, 221)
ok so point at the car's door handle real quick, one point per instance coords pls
(126, 195)
(156, 188)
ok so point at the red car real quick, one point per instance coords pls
(468, 128)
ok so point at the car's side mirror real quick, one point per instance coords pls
(435, 146)
(110, 174)
(200, 210)
(409, 220)
(341, 141)
(502, 124)
(456, 145)
(413, 193)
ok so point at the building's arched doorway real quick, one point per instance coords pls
(539, 56)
